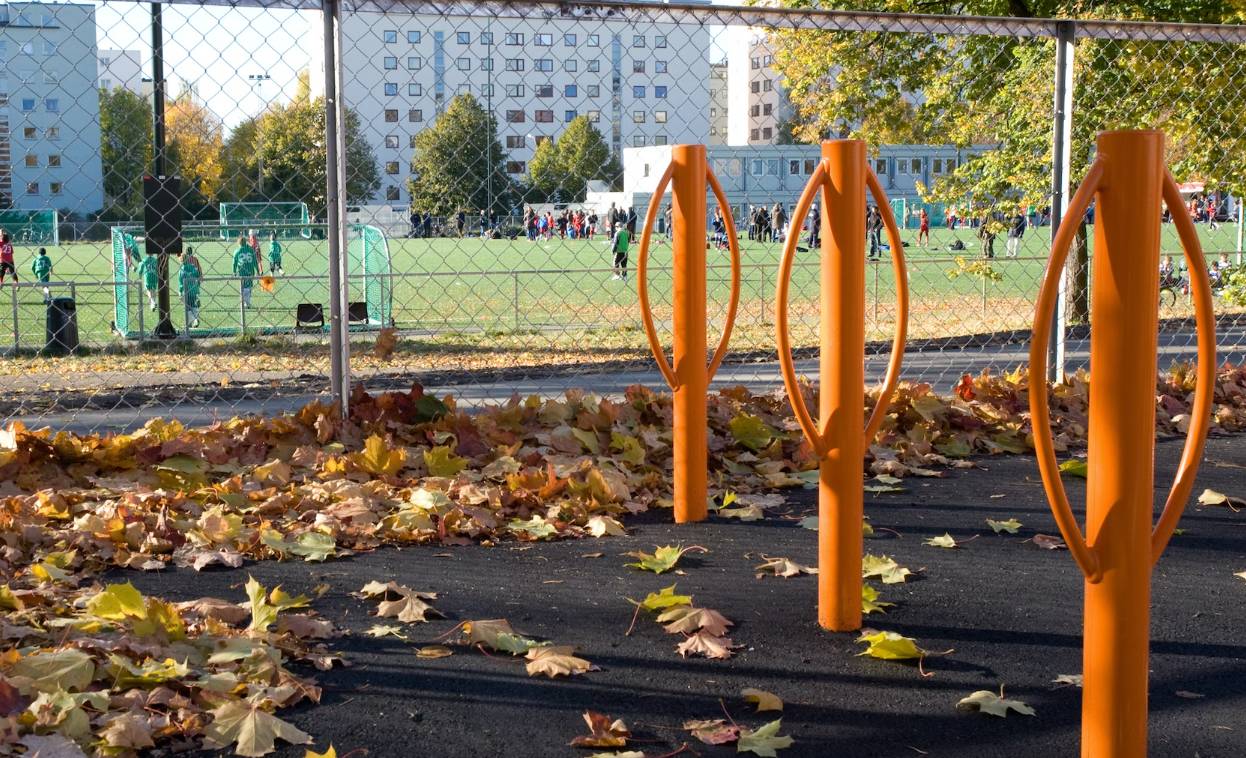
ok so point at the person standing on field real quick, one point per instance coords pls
(1016, 230)
(274, 255)
(149, 271)
(254, 242)
(7, 263)
(189, 279)
(986, 235)
(923, 229)
(42, 269)
(246, 265)
(815, 226)
(622, 238)
(874, 225)
(460, 221)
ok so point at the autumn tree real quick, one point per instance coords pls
(459, 163)
(996, 92)
(239, 161)
(125, 149)
(561, 169)
(194, 141)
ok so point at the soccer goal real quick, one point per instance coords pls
(286, 220)
(32, 227)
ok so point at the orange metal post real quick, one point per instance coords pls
(841, 379)
(691, 448)
(1120, 544)
(843, 178)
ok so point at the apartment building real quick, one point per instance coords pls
(758, 100)
(718, 104)
(122, 69)
(49, 108)
(640, 83)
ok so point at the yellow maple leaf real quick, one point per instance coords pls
(377, 458)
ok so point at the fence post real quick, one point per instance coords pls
(1239, 231)
(142, 328)
(335, 207)
(836, 437)
(17, 336)
(515, 275)
(1120, 545)
(1062, 136)
(242, 307)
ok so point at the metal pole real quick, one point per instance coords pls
(335, 173)
(17, 337)
(164, 323)
(242, 306)
(1062, 135)
(516, 278)
(1239, 209)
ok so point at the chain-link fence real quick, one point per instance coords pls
(451, 193)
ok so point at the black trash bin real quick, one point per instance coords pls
(62, 326)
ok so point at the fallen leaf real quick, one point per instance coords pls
(1068, 680)
(684, 619)
(870, 602)
(889, 646)
(703, 643)
(945, 540)
(1048, 542)
(602, 732)
(985, 701)
(1186, 694)
(1075, 467)
(713, 731)
(601, 526)
(555, 661)
(764, 740)
(884, 568)
(662, 559)
(664, 598)
(1211, 497)
(434, 651)
(766, 701)
(1010, 526)
(784, 567)
(252, 730)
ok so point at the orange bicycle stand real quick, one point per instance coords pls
(843, 176)
(1128, 179)
(687, 374)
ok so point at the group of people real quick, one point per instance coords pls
(767, 224)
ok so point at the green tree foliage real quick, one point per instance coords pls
(566, 166)
(238, 156)
(125, 149)
(459, 163)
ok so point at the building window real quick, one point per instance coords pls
(516, 167)
(514, 64)
(659, 117)
(568, 40)
(415, 115)
(571, 65)
(793, 168)
(713, 131)
(389, 36)
(54, 161)
(593, 116)
(754, 87)
(713, 113)
(638, 117)
(903, 166)
(514, 90)
(32, 188)
(880, 167)
(541, 139)
(486, 64)
(32, 160)
(638, 67)
(413, 38)
(659, 40)
(464, 38)
(415, 89)
(486, 90)
(810, 163)
(544, 117)
(28, 104)
(638, 140)
(514, 117)
(30, 133)
(391, 141)
(767, 109)
(391, 63)
(514, 39)
(754, 134)
(757, 167)
(52, 133)
(568, 116)
(756, 63)
(463, 64)
(391, 115)
(594, 90)
(754, 110)
(543, 64)
(105, 83)
(486, 38)
(638, 40)
(659, 67)
(767, 86)
(514, 141)
(594, 40)
(391, 192)
(767, 132)
(659, 91)
(638, 91)
(391, 167)
(391, 89)
(917, 165)
(55, 188)
(544, 90)
(413, 140)
(767, 60)
(659, 139)
(415, 63)
(570, 90)
(544, 40)
(594, 66)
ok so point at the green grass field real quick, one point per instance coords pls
(471, 285)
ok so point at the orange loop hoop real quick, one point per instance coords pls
(786, 365)
(1205, 373)
(1040, 418)
(642, 279)
(733, 245)
(900, 270)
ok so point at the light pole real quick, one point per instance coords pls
(256, 80)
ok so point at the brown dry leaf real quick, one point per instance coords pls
(713, 731)
(1047, 542)
(766, 701)
(434, 651)
(784, 567)
(555, 660)
(400, 601)
(386, 341)
(602, 732)
(708, 645)
(684, 619)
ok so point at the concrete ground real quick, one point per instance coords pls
(1008, 612)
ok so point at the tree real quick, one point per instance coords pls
(238, 158)
(194, 140)
(458, 162)
(997, 92)
(291, 141)
(566, 166)
(125, 149)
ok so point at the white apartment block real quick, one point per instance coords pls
(121, 69)
(49, 108)
(718, 104)
(759, 101)
(640, 83)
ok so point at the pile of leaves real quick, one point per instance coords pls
(93, 667)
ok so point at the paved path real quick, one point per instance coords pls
(940, 367)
